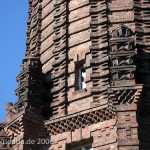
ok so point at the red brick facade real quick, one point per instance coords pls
(111, 39)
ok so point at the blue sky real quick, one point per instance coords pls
(13, 15)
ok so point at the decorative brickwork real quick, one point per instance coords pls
(59, 76)
(126, 98)
(110, 39)
(100, 135)
(99, 50)
(4, 140)
(27, 127)
(32, 91)
(122, 56)
(81, 119)
(34, 27)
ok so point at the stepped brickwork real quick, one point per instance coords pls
(111, 41)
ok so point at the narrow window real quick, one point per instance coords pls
(80, 77)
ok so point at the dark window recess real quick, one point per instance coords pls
(83, 148)
(80, 77)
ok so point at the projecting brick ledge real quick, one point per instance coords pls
(80, 119)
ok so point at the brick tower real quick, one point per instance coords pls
(84, 82)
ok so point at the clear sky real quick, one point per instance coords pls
(13, 17)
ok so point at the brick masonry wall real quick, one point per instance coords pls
(106, 36)
(4, 140)
(79, 43)
(79, 40)
(27, 131)
(101, 135)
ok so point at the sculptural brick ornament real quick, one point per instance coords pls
(84, 82)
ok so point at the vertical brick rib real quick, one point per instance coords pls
(34, 28)
(99, 50)
(124, 92)
(32, 93)
(60, 56)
